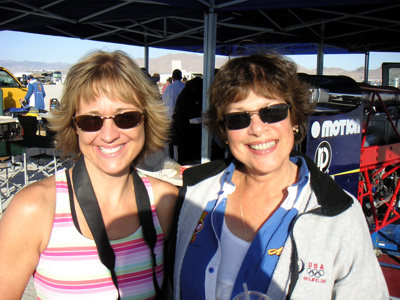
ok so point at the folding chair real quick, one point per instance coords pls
(10, 167)
(36, 135)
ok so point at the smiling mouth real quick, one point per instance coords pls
(263, 146)
(110, 150)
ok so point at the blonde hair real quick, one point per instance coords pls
(117, 76)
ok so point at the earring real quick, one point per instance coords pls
(295, 129)
(226, 142)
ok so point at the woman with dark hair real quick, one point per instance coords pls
(267, 222)
(83, 232)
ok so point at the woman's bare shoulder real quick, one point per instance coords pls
(34, 201)
(163, 188)
(37, 193)
(25, 228)
(155, 182)
(165, 195)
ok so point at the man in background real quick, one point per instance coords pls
(172, 91)
(167, 83)
(35, 95)
(186, 133)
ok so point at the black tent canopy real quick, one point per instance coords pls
(225, 27)
(342, 26)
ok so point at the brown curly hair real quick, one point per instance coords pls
(269, 75)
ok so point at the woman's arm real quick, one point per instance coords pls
(363, 277)
(24, 233)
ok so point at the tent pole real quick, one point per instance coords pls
(320, 55)
(146, 57)
(320, 59)
(366, 67)
(210, 32)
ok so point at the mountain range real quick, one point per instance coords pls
(192, 63)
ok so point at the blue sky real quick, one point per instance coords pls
(20, 46)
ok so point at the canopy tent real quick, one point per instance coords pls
(356, 26)
(225, 27)
(297, 26)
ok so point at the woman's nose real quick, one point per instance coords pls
(256, 124)
(109, 132)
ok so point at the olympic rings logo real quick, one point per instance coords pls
(315, 273)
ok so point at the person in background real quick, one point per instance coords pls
(35, 95)
(169, 98)
(187, 125)
(154, 162)
(110, 118)
(172, 91)
(155, 77)
(267, 221)
(153, 80)
(167, 83)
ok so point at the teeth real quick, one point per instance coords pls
(110, 150)
(263, 146)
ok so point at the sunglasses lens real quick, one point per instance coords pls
(128, 119)
(273, 113)
(237, 120)
(89, 123)
(95, 123)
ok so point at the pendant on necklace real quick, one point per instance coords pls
(241, 212)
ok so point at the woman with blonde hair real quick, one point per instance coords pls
(83, 232)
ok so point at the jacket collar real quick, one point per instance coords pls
(330, 196)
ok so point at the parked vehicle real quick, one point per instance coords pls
(12, 90)
(51, 77)
(354, 136)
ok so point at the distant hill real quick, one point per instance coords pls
(25, 66)
(189, 62)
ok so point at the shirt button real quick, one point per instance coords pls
(211, 270)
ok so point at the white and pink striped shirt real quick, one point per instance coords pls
(70, 267)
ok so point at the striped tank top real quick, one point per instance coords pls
(70, 267)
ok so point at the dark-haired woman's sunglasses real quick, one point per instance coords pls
(270, 114)
(124, 120)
